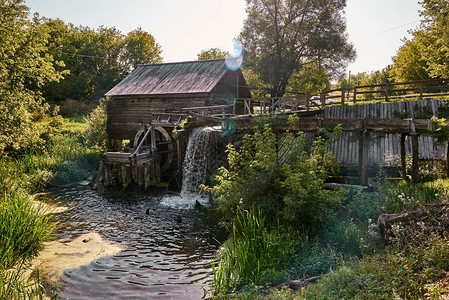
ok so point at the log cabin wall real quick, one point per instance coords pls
(126, 115)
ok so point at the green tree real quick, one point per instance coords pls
(311, 78)
(25, 66)
(141, 48)
(96, 59)
(279, 36)
(434, 36)
(212, 53)
(409, 64)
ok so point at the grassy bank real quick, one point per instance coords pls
(286, 228)
(348, 260)
(59, 157)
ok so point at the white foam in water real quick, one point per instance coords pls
(194, 171)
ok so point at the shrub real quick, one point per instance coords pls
(292, 191)
(95, 134)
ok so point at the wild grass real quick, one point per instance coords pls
(354, 263)
(253, 254)
(23, 229)
(60, 157)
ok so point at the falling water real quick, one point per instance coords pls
(194, 170)
(196, 162)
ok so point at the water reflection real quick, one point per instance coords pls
(162, 257)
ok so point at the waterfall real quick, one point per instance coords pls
(196, 162)
(194, 170)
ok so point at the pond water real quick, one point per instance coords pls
(162, 257)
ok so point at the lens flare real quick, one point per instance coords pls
(235, 58)
(228, 126)
(234, 63)
(236, 48)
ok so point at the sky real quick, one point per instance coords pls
(183, 28)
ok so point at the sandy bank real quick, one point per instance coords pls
(58, 256)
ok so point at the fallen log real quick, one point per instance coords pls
(435, 214)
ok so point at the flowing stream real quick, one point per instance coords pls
(163, 257)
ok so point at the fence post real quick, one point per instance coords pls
(343, 94)
(323, 100)
(307, 100)
(355, 95)
(386, 92)
(421, 89)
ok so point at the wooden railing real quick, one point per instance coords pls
(307, 102)
(401, 90)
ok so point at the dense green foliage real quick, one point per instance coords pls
(95, 60)
(426, 54)
(264, 202)
(280, 36)
(48, 59)
(96, 135)
(292, 192)
(351, 260)
(25, 67)
(212, 53)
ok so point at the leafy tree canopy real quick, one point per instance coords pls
(96, 59)
(426, 55)
(279, 36)
(25, 66)
(212, 53)
(409, 64)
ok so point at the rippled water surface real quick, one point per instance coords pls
(162, 257)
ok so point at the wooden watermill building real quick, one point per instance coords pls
(146, 105)
(163, 93)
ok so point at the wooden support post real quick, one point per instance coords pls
(323, 100)
(386, 92)
(343, 94)
(307, 99)
(139, 175)
(415, 157)
(363, 155)
(158, 172)
(403, 157)
(100, 175)
(146, 175)
(153, 140)
(126, 175)
(153, 172)
(447, 158)
(119, 174)
(355, 95)
(107, 180)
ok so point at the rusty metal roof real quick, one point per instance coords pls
(172, 78)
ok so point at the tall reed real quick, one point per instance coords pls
(253, 252)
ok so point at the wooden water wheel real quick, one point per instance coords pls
(164, 144)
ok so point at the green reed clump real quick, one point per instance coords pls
(254, 252)
(23, 228)
(14, 287)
